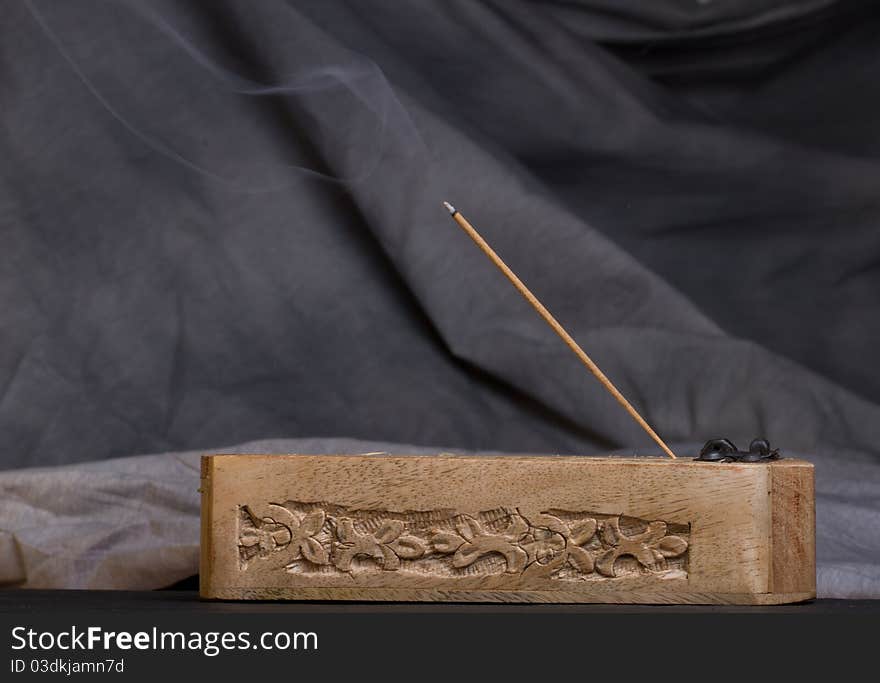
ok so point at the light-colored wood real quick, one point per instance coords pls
(207, 531)
(556, 327)
(506, 529)
(793, 506)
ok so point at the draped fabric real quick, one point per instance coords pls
(221, 222)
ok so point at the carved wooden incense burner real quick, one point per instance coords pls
(506, 529)
(728, 526)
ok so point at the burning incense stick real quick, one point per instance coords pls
(553, 323)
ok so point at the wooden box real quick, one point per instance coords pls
(506, 529)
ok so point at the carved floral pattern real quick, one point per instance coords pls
(473, 542)
(535, 544)
(279, 528)
(650, 547)
(389, 545)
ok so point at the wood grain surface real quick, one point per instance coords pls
(506, 529)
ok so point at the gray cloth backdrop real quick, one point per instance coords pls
(221, 222)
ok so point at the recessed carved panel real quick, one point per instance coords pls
(325, 539)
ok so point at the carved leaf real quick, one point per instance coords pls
(446, 542)
(580, 559)
(469, 528)
(644, 555)
(344, 555)
(408, 547)
(313, 551)
(342, 559)
(272, 512)
(672, 546)
(312, 523)
(581, 533)
(345, 530)
(611, 531)
(542, 520)
(605, 563)
(391, 529)
(390, 561)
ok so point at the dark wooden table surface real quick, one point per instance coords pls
(37, 601)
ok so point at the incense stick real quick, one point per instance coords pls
(554, 324)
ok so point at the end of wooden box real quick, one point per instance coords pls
(793, 530)
(206, 537)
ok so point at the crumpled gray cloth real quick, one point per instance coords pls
(133, 523)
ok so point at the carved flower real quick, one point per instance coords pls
(264, 537)
(551, 544)
(303, 542)
(649, 548)
(473, 542)
(546, 546)
(277, 528)
(388, 545)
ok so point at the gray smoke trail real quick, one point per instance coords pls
(316, 109)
